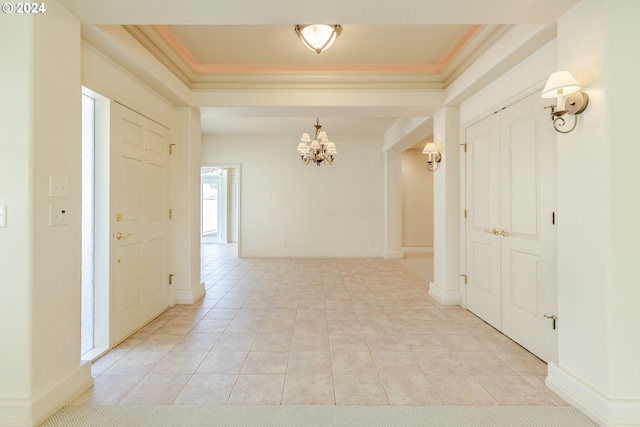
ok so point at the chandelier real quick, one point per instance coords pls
(320, 150)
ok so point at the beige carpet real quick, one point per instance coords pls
(320, 416)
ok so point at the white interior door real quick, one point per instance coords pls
(528, 199)
(140, 220)
(483, 216)
(510, 198)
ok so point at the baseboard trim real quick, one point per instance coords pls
(418, 249)
(601, 409)
(189, 296)
(444, 296)
(393, 255)
(29, 413)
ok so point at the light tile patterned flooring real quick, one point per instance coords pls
(316, 332)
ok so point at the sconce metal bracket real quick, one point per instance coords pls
(575, 104)
(432, 166)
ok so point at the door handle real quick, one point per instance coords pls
(121, 235)
(495, 232)
(504, 233)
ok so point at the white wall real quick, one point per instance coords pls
(40, 292)
(597, 209)
(526, 77)
(104, 76)
(417, 200)
(326, 211)
(582, 224)
(624, 199)
(598, 206)
(43, 69)
(15, 183)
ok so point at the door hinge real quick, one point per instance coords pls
(552, 317)
(170, 213)
(465, 213)
(553, 218)
(465, 278)
(171, 148)
(171, 279)
(465, 147)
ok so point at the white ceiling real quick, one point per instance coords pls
(209, 43)
(285, 12)
(201, 50)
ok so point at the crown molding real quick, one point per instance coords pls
(156, 45)
(484, 38)
(324, 81)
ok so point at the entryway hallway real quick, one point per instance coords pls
(317, 332)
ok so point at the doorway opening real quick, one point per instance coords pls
(417, 213)
(95, 230)
(212, 202)
(219, 203)
(88, 225)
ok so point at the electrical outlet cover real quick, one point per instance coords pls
(58, 215)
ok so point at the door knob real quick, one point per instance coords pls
(504, 233)
(121, 235)
(495, 231)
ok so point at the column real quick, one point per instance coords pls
(445, 287)
(186, 162)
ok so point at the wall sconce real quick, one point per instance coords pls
(434, 156)
(559, 85)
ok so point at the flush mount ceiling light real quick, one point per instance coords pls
(559, 85)
(318, 37)
(320, 150)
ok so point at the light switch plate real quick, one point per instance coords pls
(58, 186)
(3, 216)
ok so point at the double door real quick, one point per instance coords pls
(510, 170)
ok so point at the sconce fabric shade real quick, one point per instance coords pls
(318, 37)
(560, 83)
(430, 148)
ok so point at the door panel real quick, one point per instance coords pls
(139, 194)
(524, 282)
(523, 168)
(483, 275)
(483, 183)
(155, 197)
(130, 189)
(528, 203)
